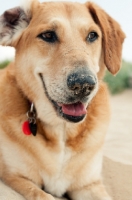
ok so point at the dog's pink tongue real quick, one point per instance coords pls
(77, 109)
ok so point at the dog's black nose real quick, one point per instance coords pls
(82, 82)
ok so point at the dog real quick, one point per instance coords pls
(54, 106)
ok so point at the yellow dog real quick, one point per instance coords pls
(54, 107)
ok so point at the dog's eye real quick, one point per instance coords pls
(92, 36)
(49, 36)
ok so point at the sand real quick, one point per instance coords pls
(117, 168)
(118, 145)
(118, 179)
(117, 165)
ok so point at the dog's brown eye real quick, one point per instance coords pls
(49, 36)
(92, 36)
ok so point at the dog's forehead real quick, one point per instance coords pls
(63, 12)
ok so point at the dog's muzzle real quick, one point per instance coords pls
(80, 84)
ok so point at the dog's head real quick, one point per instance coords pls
(61, 52)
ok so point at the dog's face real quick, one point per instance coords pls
(59, 58)
(62, 49)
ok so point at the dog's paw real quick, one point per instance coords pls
(49, 197)
(43, 197)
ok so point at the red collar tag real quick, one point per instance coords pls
(26, 128)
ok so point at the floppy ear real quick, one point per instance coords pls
(112, 37)
(13, 22)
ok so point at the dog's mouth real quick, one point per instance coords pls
(75, 109)
(73, 112)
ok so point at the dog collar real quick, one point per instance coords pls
(30, 127)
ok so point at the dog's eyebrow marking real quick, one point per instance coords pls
(56, 22)
(81, 22)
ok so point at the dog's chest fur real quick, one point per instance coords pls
(57, 176)
(65, 166)
(68, 164)
(58, 183)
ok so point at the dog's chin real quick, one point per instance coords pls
(74, 119)
(67, 115)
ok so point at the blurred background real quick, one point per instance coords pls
(119, 139)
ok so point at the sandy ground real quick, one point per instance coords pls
(118, 144)
(117, 165)
(117, 168)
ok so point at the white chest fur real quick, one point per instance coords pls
(72, 170)
(58, 182)
(56, 185)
